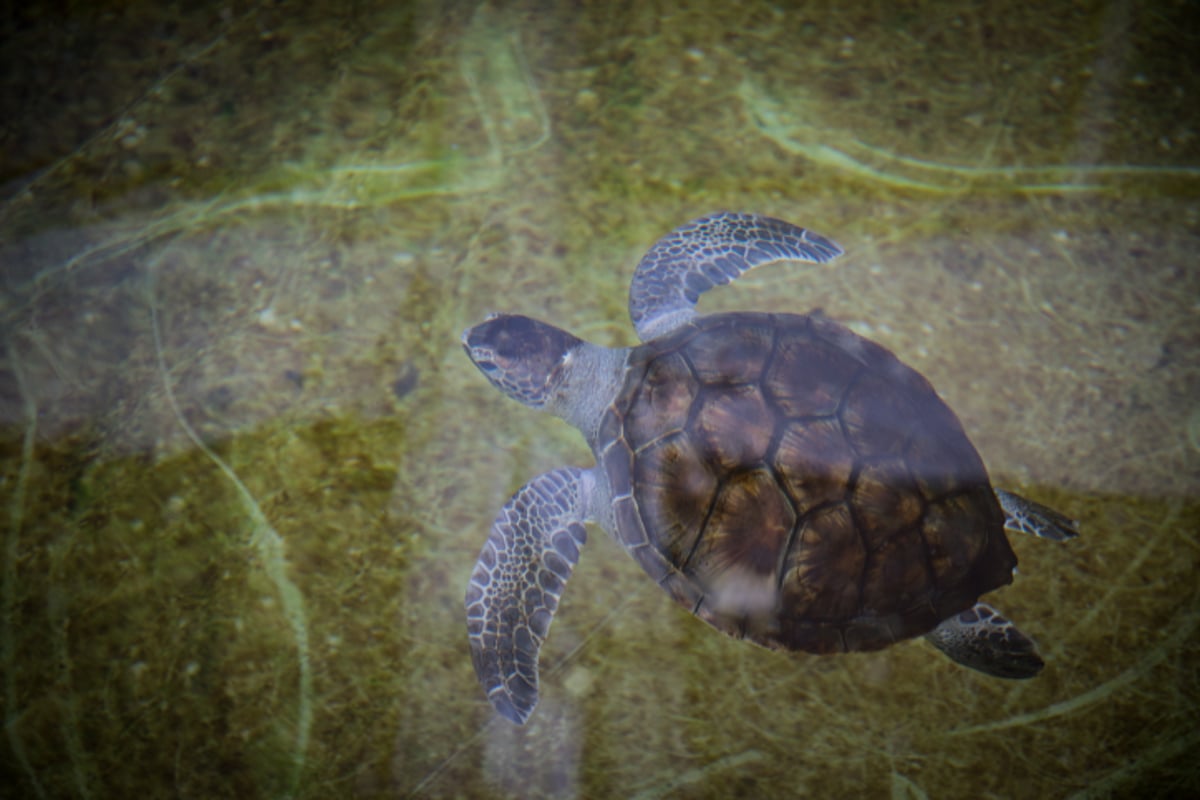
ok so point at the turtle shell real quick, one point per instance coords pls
(792, 483)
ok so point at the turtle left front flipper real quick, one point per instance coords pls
(515, 587)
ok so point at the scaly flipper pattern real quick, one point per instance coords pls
(712, 251)
(1025, 516)
(983, 639)
(514, 591)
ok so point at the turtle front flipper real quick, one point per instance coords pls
(982, 639)
(514, 590)
(707, 252)
(1025, 516)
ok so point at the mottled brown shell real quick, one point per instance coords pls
(790, 482)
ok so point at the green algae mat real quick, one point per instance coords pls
(246, 468)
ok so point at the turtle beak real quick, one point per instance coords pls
(481, 356)
(466, 334)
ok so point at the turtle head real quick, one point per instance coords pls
(522, 357)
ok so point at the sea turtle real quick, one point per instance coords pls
(784, 479)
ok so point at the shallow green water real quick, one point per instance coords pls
(247, 469)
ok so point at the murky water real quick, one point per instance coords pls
(247, 468)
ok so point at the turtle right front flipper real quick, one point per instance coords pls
(514, 591)
(707, 252)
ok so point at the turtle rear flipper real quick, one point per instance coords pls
(1022, 515)
(514, 591)
(984, 640)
